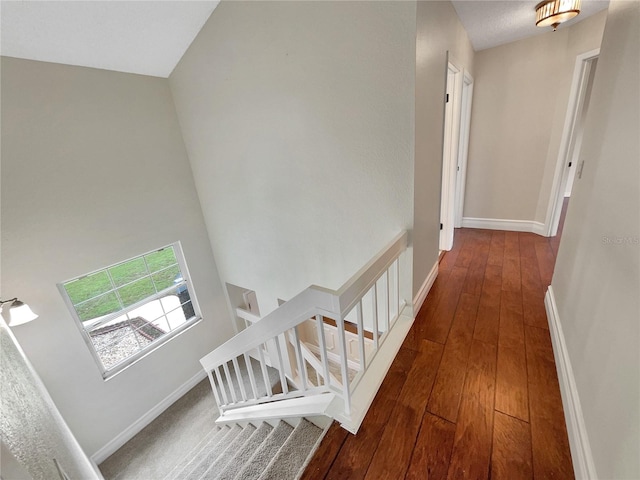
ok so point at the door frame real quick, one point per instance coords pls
(579, 86)
(451, 137)
(463, 145)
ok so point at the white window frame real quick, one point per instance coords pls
(108, 373)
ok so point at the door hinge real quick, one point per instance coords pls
(447, 98)
(570, 164)
(441, 226)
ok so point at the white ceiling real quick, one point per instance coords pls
(144, 37)
(150, 37)
(492, 23)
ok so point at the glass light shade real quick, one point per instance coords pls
(20, 313)
(551, 13)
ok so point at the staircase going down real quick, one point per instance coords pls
(261, 452)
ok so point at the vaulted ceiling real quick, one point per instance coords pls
(150, 37)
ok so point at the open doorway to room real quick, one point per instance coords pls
(569, 165)
(457, 121)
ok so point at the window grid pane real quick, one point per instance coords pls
(124, 308)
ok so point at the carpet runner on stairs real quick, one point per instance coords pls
(250, 453)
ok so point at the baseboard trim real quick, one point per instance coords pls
(126, 435)
(424, 289)
(501, 224)
(583, 464)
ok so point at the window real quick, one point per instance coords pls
(130, 308)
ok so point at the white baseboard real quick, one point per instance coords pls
(583, 464)
(501, 224)
(111, 447)
(424, 289)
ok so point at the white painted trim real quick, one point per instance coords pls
(289, 408)
(554, 206)
(502, 224)
(463, 146)
(368, 387)
(583, 464)
(453, 88)
(133, 429)
(420, 297)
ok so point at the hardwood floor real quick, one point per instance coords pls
(473, 392)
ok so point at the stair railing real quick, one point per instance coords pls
(369, 301)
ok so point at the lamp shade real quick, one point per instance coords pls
(551, 13)
(19, 312)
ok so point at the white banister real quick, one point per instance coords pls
(380, 277)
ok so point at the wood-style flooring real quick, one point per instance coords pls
(473, 392)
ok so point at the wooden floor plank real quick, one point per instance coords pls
(450, 257)
(511, 381)
(326, 453)
(393, 454)
(549, 441)
(474, 429)
(511, 264)
(546, 261)
(466, 252)
(475, 275)
(511, 456)
(488, 318)
(447, 390)
(496, 250)
(356, 452)
(416, 333)
(431, 454)
(436, 327)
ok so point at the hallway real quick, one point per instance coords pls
(473, 392)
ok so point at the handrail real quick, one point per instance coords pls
(313, 302)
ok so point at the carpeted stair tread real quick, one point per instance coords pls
(291, 457)
(246, 452)
(195, 470)
(200, 454)
(269, 448)
(210, 440)
(230, 450)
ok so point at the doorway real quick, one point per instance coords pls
(569, 166)
(457, 121)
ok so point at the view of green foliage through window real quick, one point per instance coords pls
(128, 306)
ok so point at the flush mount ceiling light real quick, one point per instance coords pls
(551, 13)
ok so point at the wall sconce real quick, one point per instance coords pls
(554, 12)
(19, 312)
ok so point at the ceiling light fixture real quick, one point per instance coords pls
(19, 312)
(551, 13)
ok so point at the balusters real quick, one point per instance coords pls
(283, 379)
(374, 310)
(323, 349)
(363, 358)
(252, 377)
(397, 262)
(227, 374)
(221, 385)
(215, 390)
(265, 374)
(236, 367)
(387, 299)
(346, 392)
(302, 371)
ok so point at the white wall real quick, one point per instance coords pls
(520, 100)
(94, 171)
(298, 118)
(597, 275)
(438, 30)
